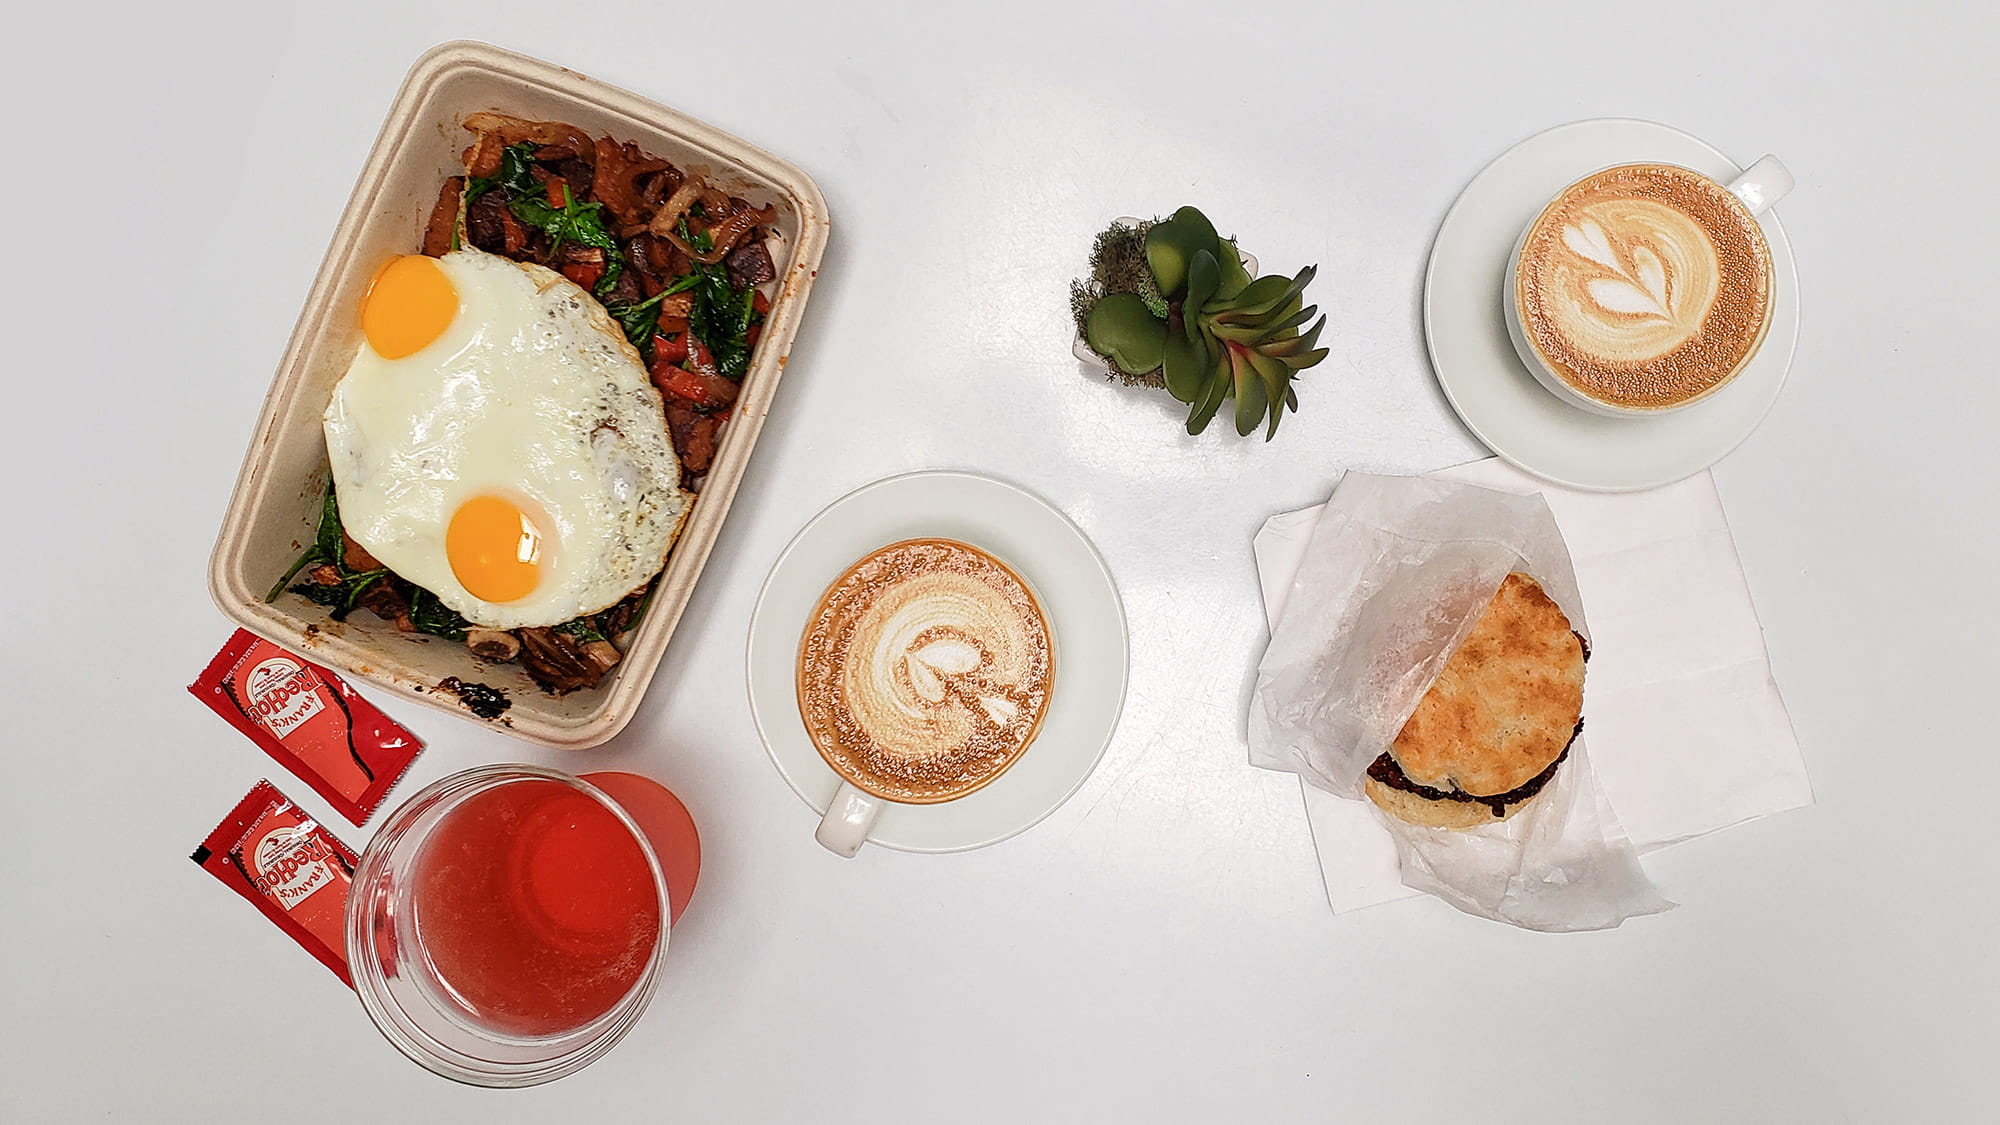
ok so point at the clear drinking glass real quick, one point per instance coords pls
(407, 901)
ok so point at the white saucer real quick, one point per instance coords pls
(1085, 617)
(1475, 362)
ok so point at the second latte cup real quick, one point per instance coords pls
(1758, 187)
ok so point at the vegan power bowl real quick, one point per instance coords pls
(526, 424)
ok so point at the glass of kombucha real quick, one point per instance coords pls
(507, 924)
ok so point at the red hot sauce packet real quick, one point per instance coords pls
(269, 851)
(309, 721)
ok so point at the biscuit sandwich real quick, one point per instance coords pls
(1500, 718)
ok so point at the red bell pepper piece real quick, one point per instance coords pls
(698, 356)
(678, 382)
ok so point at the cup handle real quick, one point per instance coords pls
(848, 818)
(1763, 184)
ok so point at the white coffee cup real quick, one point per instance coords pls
(1758, 187)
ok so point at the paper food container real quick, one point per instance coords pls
(275, 510)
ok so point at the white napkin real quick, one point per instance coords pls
(1687, 731)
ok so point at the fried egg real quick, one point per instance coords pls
(497, 442)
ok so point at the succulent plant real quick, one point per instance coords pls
(1189, 316)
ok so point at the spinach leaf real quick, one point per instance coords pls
(639, 611)
(515, 163)
(715, 319)
(429, 615)
(326, 547)
(572, 222)
(641, 319)
(681, 286)
(614, 264)
(718, 319)
(343, 597)
(631, 313)
(514, 174)
(331, 542)
(582, 223)
(310, 557)
(702, 241)
(321, 595)
(584, 629)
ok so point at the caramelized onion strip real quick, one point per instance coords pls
(514, 130)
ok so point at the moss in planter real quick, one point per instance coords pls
(1118, 265)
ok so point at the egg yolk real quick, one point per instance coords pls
(410, 304)
(496, 548)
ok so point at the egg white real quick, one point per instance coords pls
(532, 392)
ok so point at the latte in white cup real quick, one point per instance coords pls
(1644, 288)
(923, 674)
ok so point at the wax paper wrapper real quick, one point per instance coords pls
(1397, 572)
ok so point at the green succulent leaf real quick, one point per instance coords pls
(1287, 327)
(1123, 329)
(1186, 366)
(1197, 226)
(1251, 395)
(1273, 371)
(1239, 333)
(1216, 389)
(1170, 250)
(1266, 295)
(1296, 347)
(1277, 379)
(1204, 274)
(1202, 235)
(1234, 277)
(1264, 290)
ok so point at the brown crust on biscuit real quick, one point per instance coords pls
(1504, 707)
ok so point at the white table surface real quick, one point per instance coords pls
(1159, 949)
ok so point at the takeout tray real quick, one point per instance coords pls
(275, 509)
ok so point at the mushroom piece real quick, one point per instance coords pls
(496, 645)
(560, 663)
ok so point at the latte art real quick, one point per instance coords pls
(1644, 286)
(925, 671)
(1638, 293)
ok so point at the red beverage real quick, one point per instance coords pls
(536, 907)
(667, 826)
